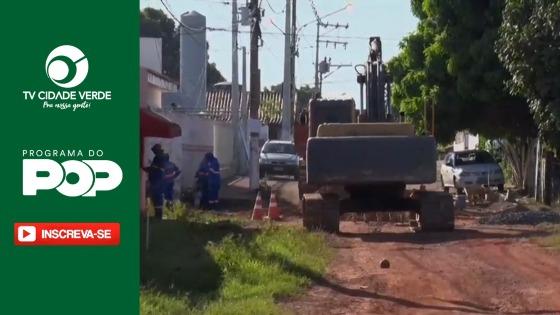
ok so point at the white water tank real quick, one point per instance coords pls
(223, 149)
(193, 60)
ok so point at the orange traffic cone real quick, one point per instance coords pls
(258, 209)
(274, 211)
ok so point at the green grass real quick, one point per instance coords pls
(205, 264)
(552, 241)
(152, 302)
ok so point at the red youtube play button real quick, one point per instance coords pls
(26, 234)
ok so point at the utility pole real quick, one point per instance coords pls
(235, 88)
(319, 21)
(318, 41)
(244, 107)
(317, 57)
(293, 61)
(287, 85)
(254, 96)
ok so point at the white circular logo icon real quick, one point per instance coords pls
(67, 66)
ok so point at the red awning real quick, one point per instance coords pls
(153, 124)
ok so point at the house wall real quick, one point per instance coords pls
(150, 95)
(223, 147)
(465, 141)
(153, 87)
(196, 140)
(199, 136)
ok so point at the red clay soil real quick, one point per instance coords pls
(474, 270)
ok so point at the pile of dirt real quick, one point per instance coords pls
(526, 217)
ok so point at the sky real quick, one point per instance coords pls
(389, 19)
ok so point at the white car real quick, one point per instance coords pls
(471, 168)
(279, 158)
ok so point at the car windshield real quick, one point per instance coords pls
(284, 148)
(477, 157)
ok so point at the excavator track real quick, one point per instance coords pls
(436, 213)
(321, 212)
(303, 186)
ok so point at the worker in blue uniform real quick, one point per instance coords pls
(202, 175)
(171, 172)
(214, 180)
(156, 180)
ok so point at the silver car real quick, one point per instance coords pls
(471, 168)
(279, 158)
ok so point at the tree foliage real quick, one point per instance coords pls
(529, 47)
(304, 94)
(213, 75)
(450, 61)
(155, 23)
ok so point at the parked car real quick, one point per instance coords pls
(279, 158)
(471, 168)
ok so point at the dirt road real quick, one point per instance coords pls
(475, 270)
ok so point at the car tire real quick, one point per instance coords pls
(460, 190)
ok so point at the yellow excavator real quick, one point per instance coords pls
(361, 160)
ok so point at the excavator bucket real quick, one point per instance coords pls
(371, 160)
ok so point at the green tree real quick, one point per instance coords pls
(304, 94)
(529, 47)
(213, 75)
(449, 61)
(155, 23)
